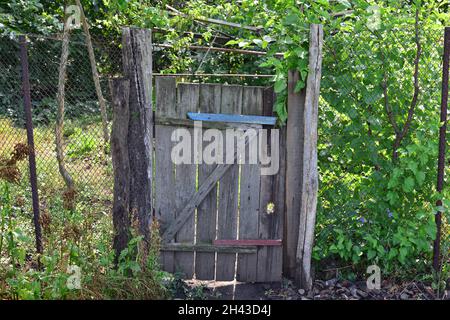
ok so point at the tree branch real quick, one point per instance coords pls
(387, 106)
(415, 98)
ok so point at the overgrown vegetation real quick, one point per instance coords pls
(378, 131)
(77, 242)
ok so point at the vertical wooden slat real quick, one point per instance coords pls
(249, 191)
(272, 192)
(271, 222)
(210, 97)
(231, 103)
(185, 178)
(165, 89)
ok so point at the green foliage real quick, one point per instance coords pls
(72, 238)
(373, 208)
(81, 144)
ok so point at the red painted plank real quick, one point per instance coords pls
(257, 242)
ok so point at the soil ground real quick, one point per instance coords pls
(323, 290)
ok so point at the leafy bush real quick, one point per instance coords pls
(377, 201)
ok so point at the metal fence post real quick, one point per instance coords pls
(30, 138)
(442, 143)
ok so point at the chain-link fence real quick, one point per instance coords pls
(367, 86)
(84, 145)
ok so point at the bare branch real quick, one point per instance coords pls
(216, 21)
(415, 98)
(387, 106)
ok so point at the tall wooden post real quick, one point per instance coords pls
(310, 176)
(302, 172)
(137, 61)
(120, 92)
(294, 170)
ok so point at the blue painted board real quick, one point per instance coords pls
(233, 118)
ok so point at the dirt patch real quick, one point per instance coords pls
(323, 290)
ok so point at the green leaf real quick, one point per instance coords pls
(299, 86)
(392, 253)
(420, 177)
(280, 85)
(346, 3)
(408, 185)
(431, 230)
(291, 19)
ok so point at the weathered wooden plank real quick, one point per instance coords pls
(249, 242)
(296, 102)
(272, 199)
(207, 248)
(231, 103)
(205, 125)
(265, 195)
(271, 221)
(234, 118)
(210, 97)
(185, 181)
(249, 190)
(120, 91)
(165, 88)
(196, 199)
(310, 179)
(137, 61)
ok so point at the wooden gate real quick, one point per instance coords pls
(224, 221)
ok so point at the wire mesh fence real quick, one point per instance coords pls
(353, 105)
(84, 145)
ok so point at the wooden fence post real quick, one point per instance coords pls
(294, 161)
(310, 179)
(137, 62)
(302, 172)
(120, 92)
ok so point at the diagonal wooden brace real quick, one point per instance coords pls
(198, 197)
